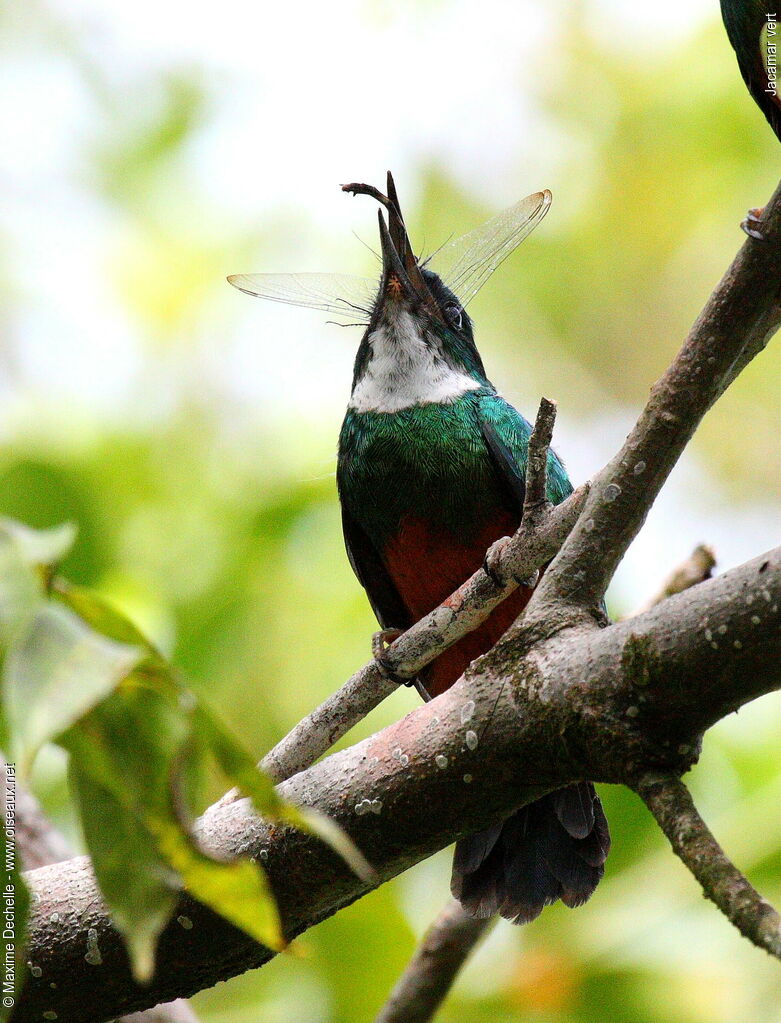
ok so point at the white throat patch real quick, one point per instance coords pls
(404, 370)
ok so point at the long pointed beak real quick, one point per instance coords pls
(394, 275)
(401, 275)
(401, 242)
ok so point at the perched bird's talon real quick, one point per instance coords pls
(492, 567)
(380, 642)
(492, 563)
(754, 216)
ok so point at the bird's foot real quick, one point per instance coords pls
(492, 563)
(380, 642)
(493, 568)
(750, 222)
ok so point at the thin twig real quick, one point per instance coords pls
(671, 804)
(435, 965)
(696, 569)
(536, 496)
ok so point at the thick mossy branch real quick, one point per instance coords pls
(671, 804)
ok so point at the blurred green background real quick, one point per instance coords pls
(148, 151)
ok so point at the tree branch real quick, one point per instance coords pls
(608, 705)
(541, 533)
(696, 569)
(671, 804)
(40, 844)
(445, 948)
(739, 319)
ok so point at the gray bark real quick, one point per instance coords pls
(608, 705)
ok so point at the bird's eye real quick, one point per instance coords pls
(453, 312)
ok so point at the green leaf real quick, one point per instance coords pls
(239, 767)
(123, 755)
(140, 890)
(21, 590)
(54, 673)
(138, 740)
(237, 890)
(131, 758)
(105, 618)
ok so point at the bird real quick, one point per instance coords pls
(430, 473)
(753, 32)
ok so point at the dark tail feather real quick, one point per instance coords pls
(552, 849)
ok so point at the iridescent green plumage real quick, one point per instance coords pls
(431, 461)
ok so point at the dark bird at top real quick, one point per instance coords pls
(430, 473)
(753, 31)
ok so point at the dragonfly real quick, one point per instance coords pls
(464, 264)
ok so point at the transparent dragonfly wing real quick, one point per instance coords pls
(349, 298)
(466, 263)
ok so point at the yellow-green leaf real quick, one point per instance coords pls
(139, 889)
(237, 890)
(54, 673)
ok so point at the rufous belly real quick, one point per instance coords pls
(427, 565)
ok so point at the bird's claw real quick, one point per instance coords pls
(493, 568)
(492, 563)
(753, 217)
(380, 643)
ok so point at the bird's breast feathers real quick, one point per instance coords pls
(406, 368)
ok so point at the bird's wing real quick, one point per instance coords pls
(504, 462)
(506, 434)
(373, 576)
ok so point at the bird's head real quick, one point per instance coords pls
(416, 319)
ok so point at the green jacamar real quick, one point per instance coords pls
(430, 473)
